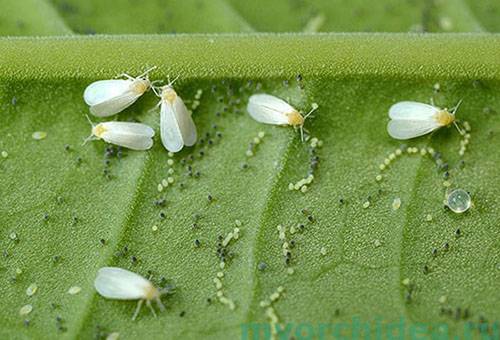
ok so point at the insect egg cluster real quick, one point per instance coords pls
(222, 253)
(270, 311)
(302, 185)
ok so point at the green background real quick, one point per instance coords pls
(353, 77)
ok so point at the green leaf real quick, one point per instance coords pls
(30, 17)
(36, 17)
(60, 204)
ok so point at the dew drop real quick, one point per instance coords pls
(458, 201)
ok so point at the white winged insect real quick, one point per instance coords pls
(120, 284)
(413, 119)
(268, 109)
(177, 128)
(135, 136)
(108, 97)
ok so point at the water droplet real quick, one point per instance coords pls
(458, 201)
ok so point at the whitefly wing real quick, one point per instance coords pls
(118, 283)
(134, 136)
(185, 122)
(114, 105)
(269, 109)
(171, 135)
(131, 128)
(103, 90)
(108, 97)
(406, 129)
(412, 111)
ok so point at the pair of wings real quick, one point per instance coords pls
(269, 109)
(134, 136)
(411, 119)
(109, 97)
(121, 284)
(176, 125)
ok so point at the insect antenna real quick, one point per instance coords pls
(170, 83)
(146, 73)
(453, 111)
(314, 108)
(91, 137)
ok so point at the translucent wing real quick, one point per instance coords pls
(118, 283)
(131, 128)
(406, 129)
(412, 111)
(103, 90)
(114, 105)
(268, 109)
(130, 135)
(171, 135)
(185, 122)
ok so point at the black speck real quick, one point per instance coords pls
(262, 266)
(197, 243)
(102, 241)
(181, 314)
